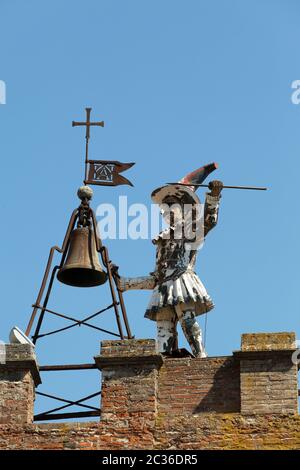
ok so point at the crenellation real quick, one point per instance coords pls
(245, 401)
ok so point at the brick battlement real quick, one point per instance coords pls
(245, 401)
(190, 386)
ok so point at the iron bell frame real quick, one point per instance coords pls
(84, 216)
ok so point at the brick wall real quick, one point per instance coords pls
(203, 431)
(230, 431)
(17, 397)
(244, 401)
(129, 392)
(191, 386)
(268, 376)
(18, 378)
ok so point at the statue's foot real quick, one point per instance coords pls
(201, 354)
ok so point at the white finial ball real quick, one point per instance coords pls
(85, 192)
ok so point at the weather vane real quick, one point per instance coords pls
(101, 172)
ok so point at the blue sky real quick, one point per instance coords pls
(179, 84)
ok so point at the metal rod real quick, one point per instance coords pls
(41, 317)
(256, 188)
(78, 414)
(76, 323)
(99, 312)
(105, 260)
(48, 266)
(69, 402)
(70, 318)
(42, 288)
(86, 159)
(123, 309)
(57, 367)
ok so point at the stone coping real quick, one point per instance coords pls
(109, 361)
(21, 357)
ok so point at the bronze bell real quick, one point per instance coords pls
(82, 267)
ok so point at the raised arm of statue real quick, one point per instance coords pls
(212, 203)
(199, 221)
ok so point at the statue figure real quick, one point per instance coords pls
(178, 293)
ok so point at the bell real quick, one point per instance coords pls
(82, 267)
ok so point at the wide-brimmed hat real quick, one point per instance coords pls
(186, 187)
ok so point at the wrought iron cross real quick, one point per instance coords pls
(87, 124)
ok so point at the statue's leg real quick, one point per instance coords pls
(192, 332)
(166, 334)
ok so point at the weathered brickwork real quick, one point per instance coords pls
(191, 386)
(203, 431)
(268, 341)
(268, 375)
(16, 397)
(129, 392)
(244, 401)
(50, 436)
(230, 431)
(18, 377)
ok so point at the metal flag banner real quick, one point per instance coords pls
(107, 173)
